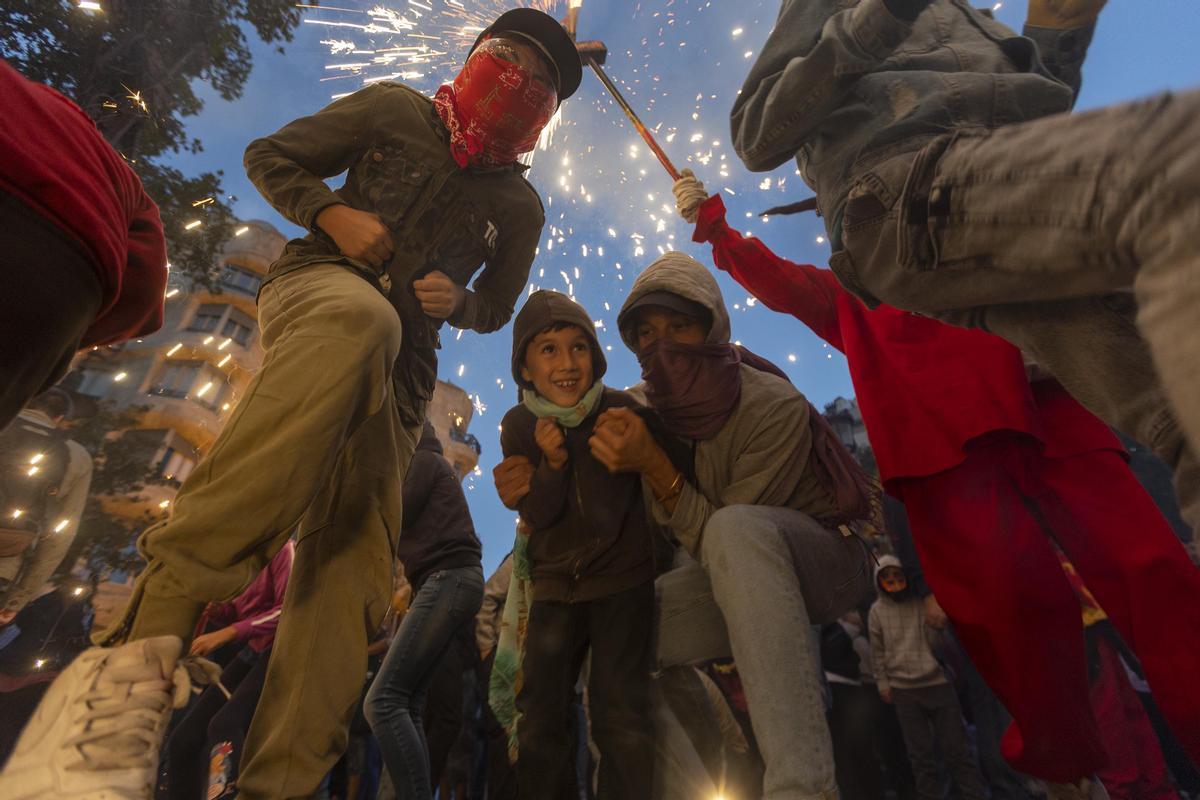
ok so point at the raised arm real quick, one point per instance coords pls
(807, 293)
(1063, 32)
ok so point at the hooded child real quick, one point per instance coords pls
(590, 560)
(910, 676)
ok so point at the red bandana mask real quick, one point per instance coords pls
(494, 111)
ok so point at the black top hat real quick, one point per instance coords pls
(550, 37)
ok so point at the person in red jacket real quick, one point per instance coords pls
(991, 468)
(86, 261)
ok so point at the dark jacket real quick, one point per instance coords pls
(591, 536)
(842, 86)
(441, 217)
(437, 531)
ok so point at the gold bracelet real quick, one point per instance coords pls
(675, 489)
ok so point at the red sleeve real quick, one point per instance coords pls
(802, 290)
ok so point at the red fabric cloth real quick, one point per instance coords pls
(254, 614)
(1136, 769)
(924, 388)
(989, 562)
(57, 163)
(494, 110)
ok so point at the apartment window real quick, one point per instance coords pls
(241, 280)
(176, 466)
(177, 379)
(93, 382)
(208, 317)
(210, 387)
(238, 327)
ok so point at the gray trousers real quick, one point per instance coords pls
(1071, 236)
(932, 714)
(769, 603)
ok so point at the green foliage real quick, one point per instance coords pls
(134, 68)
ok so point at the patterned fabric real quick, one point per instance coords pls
(505, 681)
(494, 111)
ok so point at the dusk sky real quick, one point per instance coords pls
(609, 203)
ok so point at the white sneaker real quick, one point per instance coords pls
(98, 731)
(1086, 789)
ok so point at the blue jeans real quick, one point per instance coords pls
(448, 600)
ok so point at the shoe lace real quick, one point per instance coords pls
(121, 723)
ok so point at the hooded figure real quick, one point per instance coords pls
(589, 555)
(750, 511)
(910, 676)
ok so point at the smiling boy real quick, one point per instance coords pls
(590, 559)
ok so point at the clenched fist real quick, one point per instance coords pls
(440, 297)
(552, 441)
(360, 235)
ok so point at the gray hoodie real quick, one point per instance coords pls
(761, 455)
(901, 650)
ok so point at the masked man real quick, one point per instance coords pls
(350, 317)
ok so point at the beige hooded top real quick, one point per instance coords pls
(761, 455)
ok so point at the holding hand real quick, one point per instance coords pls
(360, 235)
(553, 442)
(513, 476)
(689, 195)
(206, 643)
(440, 297)
(623, 443)
(886, 694)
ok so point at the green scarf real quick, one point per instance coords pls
(571, 417)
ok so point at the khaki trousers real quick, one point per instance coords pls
(1075, 238)
(316, 446)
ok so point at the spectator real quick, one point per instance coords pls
(590, 560)
(441, 557)
(205, 750)
(910, 676)
(44, 481)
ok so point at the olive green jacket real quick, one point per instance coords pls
(441, 217)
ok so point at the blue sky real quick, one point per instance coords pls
(681, 63)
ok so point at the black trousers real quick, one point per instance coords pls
(932, 714)
(203, 753)
(49, 296)
(618, 629)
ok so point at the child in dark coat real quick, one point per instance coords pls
(590, 560)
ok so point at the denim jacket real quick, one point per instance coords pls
(843, 85)
(395, 152)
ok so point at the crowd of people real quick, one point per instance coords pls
(707, 594)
